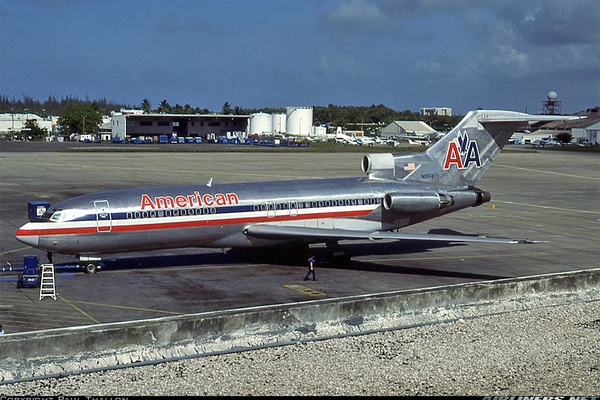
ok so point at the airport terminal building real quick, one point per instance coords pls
(129, 124)
(135, 124)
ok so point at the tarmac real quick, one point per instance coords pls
(553, 196)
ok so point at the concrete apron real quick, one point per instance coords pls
(67, 351)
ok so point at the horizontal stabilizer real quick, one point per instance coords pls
(521, 117)
(276, 232)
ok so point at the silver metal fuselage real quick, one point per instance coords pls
(201, 216)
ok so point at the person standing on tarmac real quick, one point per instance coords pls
(1, 330)
(311, 268)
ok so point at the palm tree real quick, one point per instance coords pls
(146, 107)
(164, 107)
(226, 108)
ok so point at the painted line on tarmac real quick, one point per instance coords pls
(14, 250)
(78, 309)
(528, 220)
(72, 302)
(548, 207)
(547, 172)
(305, 290)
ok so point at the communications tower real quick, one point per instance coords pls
(551, 106)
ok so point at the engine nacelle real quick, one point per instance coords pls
(415, 202)
(482, 197)
(379, 166)
(470, 198)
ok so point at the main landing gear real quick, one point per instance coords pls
(90, 265)
(90, 268)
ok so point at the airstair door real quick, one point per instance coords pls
(103, 217)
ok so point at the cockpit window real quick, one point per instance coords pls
(57, 216)
(63, 215)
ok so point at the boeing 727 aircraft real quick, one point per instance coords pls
(396, 191)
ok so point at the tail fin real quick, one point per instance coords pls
(463, 155)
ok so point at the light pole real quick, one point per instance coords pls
(24, 124)
(44, 119)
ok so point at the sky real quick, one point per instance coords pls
(404, 54)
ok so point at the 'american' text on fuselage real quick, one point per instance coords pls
(191, 200)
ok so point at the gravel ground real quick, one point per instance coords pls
(546, 351)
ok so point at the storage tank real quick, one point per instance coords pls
(260, 123)
(299, 120)
(278, 123)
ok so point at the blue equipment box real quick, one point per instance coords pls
(30, 265)
(35, 209)
(30, 277)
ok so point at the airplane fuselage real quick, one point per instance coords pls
(201, 216)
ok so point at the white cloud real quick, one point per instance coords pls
(353, 12)
(341, 66)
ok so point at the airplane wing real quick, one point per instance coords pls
(295, 232)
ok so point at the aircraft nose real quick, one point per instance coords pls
(28, 235)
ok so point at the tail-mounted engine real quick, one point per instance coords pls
(431, 201)
(415, 202)
(379, 166)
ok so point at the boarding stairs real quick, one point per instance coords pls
(47, 286)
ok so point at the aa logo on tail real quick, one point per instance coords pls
(462, 152)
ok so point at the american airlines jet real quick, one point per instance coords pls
(396, 190)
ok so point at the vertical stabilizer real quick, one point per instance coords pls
(463, 155)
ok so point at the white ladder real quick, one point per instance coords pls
(47, 287)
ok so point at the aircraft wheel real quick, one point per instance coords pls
(91, 268)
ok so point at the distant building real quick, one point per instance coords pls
(407, 129)
(443, 111)
(583, 130)
(11, 124)
(129, 124)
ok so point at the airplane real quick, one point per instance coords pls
(419, 142)
(396, 191)
(364, 140)
(345, 140)
(341, 137)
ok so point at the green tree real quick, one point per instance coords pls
(84, 118)
(146, 107)
(226, 108)
(34, 130)
(564, 138)
(164, 107)
(177, 109)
